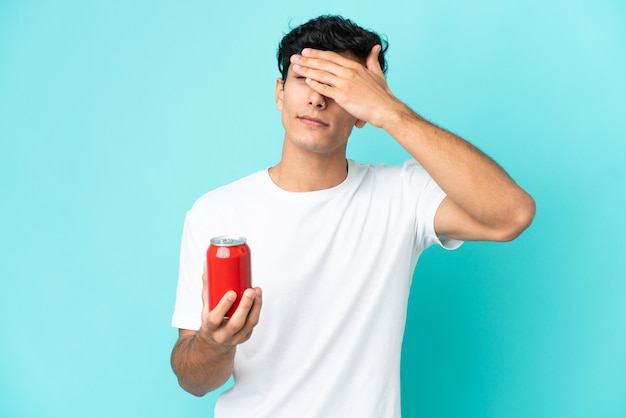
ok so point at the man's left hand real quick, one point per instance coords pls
(361, 90)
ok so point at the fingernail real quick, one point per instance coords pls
(258, 291)
(250, 293)
(306, 51)
(231, 296)
(295, 58)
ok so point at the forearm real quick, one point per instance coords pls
(200, 366)
(470, 178)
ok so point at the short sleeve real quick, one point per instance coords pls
(188, 308)
(429, 198)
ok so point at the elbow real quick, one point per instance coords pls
(187, 383)
(519, 219)
(193, 390)
(199, 387)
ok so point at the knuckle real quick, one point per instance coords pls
(244, 337)
(352, 73)
(214, 320)
(220, 340)
(234, 324)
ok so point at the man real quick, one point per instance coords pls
(334, 242)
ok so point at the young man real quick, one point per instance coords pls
(334, 242)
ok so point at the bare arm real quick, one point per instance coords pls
(483, 202)
(203, 360)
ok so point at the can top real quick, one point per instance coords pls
(227, 241)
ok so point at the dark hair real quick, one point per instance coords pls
(329, 33)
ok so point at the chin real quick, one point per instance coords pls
(319, 147)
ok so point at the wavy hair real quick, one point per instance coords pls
(330, 33)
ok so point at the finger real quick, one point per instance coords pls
(255, 312)
(336, 66)
(238, 328)
(327, 56)
(372, 62)
(322, 88)
(252, 319)
(323, 76)
(320, 76)
(216, 315)
(238, 319)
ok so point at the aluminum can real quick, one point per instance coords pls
(228, 268)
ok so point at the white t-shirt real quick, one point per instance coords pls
(335, 267)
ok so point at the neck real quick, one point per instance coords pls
(309, 174)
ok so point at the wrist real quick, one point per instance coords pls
(398, 117)
(206, 343)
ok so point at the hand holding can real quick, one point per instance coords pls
(228, 268)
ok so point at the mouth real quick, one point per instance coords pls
(312, 121)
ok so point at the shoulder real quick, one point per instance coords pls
(230, 193)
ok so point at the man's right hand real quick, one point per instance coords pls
(203, 360)
(238, 328)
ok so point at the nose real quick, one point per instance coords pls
(317, 100)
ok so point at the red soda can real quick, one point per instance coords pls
(228, 268)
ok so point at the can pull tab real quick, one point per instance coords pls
(227, 241)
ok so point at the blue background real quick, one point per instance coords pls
(116, 115)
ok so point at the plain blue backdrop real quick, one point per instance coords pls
(116, 115)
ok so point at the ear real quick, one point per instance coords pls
(359, 123)
(280, 93)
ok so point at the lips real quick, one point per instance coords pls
(312, 120)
